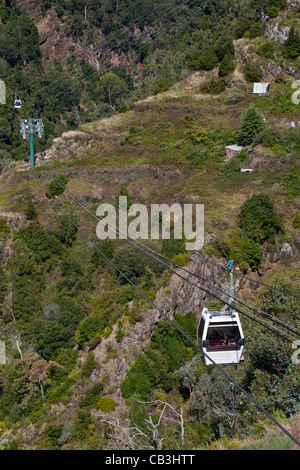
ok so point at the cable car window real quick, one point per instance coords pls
(224, 337)
(201, 328)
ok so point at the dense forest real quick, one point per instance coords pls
(90, 364)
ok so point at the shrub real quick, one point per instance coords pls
(89, 365)
(54, 432)
(181, 259)
(82, 422)
(273, 12)
(256, 30)
(89, 328)
(133, 264)
(161, 84)
(16, 413)
(106, 404)
(39, 241)
(57, 330)
(282, 102)
(199, 135)
(66, 230)
(296, 221)
(252, 72)
(4, 227)
(106, 247)
(136, 384)
(234, 97)
(125, 294)
(267, 50)
(120, 333)
(214, 87)
(290, 180)
(55, 188)
(30, 211)
(92, 395)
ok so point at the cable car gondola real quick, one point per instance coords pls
(220, 333)
(221, 336)
(17, 103)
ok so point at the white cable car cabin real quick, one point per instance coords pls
(17, 103)
(221, 336)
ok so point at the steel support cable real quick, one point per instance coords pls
(244, 303)
(206, 258)
(182, 332)
(248, 278)
(272, 328)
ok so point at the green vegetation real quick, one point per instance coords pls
(56, 188)
(258, 218)
(251, 126)
(84, 348)
(292, 45)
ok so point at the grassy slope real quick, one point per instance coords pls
(152, 162)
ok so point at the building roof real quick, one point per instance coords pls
(234, 147)
(261, 88)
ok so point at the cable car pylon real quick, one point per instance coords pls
(31, 126)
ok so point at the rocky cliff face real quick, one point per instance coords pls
(277, 29)
(57, 44)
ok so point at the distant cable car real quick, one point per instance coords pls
(220, 333)
(18, 103)
(221, 336)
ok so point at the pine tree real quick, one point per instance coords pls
(227, 66)
(292, 45)
(251, 126)
(30, 211)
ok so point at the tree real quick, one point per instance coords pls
(252, 71)
(292, 45)
(56, 187)
(161, 84)
(208, 59)
(251, 126)
(111, 86)
(218, 402)
(258, 219)
(148, 434)
(30, 211)
(224, 47)
(226, 66)
(66, 231)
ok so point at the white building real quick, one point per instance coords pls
(261, 88)
(2, 92)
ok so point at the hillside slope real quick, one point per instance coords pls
(154, 152)
(89, 359)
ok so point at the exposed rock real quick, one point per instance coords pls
(286, 250)
(297, 241)
(277, 33)
(293, 4)
(271, 255)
